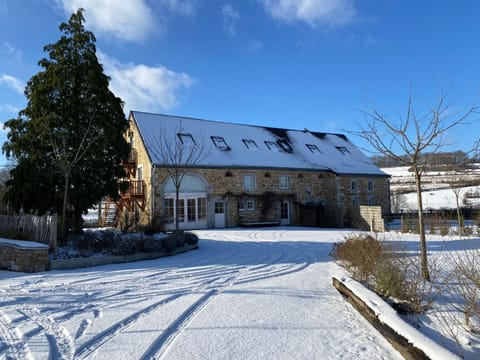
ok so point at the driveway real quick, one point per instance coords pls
(244, 294)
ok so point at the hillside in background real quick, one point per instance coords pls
(438, 187)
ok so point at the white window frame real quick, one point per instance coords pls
(250, 205)
(241, 205)
(354, 201)
(371, 201)
(283, 182)
(251, 185)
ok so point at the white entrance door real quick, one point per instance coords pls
(219, 214)
(284, 213)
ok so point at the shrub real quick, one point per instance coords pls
(191, 239)
(169, 244)
(125, 246)
(361, 255)
(390, 281)
(150, 244)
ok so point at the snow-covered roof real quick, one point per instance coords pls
(232, 145)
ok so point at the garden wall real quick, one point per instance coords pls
(23, 256)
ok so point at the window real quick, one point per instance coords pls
(284, 145)
(370, 185)
(202, 208)
(168, 205)
(343, 150)
(272, 145)
(371, 201)
(219, 207)
(191, 210)
(284, 182)
(241, 205)
(249, 182)
(250, 144)
(186, 139)
(313, 148)
(246, 205)
(354, 201)
(220, 143)
(354, 186)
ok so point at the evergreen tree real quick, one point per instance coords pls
(68, 142)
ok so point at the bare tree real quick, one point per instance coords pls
(398, 202)
(411, 139)
(177, 152)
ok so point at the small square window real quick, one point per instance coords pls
(249, 182)
(220, 142)
(284, 182)
(250, 144)
(313, 148)
(250, 205)
(186, 139)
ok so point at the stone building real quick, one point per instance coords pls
(245, 175)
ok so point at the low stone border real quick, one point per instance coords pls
(408, 341)
(68, 264)
(23, 256)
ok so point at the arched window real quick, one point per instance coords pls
(190, 184)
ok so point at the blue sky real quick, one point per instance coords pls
(286, 63)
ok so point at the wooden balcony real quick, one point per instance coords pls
(132, 192)
(130, 164)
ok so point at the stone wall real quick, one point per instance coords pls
(368, 218)
(23, 256)
(333, 192)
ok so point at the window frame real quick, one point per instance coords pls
(313, 148)
(250, 144)
(184, 136)
(354, 186)
(220, 143)
(272, 145)
(343, 149)
(286, 185)
(252, 186)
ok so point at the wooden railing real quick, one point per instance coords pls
(130, 164)
(133, 188)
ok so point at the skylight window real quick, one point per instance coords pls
(250, 144)
(186, 139)
(284, 145)
(272, 145)
(343, 150)
(220, 143)
(313, 148)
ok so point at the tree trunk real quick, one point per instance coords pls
(461, 229)
(63, 227)
(177, 203)
(421, 226)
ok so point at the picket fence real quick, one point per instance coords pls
(42, 229)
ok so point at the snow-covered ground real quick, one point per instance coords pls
(244, 294)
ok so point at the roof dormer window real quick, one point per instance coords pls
(250, 144)
(220, 143)
(272, 145)
(343, 150)
(186, 139)
(313, 148)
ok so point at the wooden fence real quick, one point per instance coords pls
(42, 229)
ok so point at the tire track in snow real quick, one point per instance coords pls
(161, 345)
(15, 346)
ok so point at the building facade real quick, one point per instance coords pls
(244, 175)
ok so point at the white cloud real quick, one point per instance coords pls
(12, 51)
(9, 108)
(185, 7)
(128, 20)
(143, 87)
(255, 46)
(313, 12)
(13, 83)
(230, 18)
